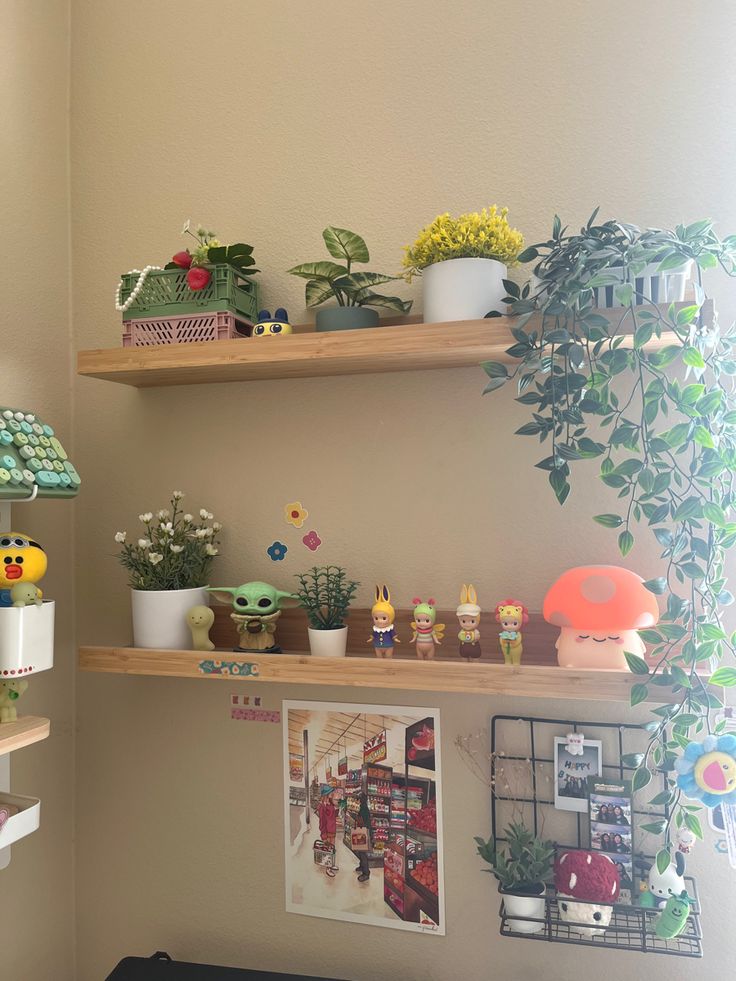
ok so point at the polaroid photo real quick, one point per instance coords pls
(574, 764)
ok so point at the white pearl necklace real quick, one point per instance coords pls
(142, 273)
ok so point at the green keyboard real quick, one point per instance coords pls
(31, 456)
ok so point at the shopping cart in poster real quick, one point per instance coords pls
(324, 856)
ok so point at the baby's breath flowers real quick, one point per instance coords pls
(482, 234)
(176, 551)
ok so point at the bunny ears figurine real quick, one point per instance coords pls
(468, 614)
(384, 636)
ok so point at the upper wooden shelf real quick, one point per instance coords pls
(28, 729)
(529, 681)
(407, 346)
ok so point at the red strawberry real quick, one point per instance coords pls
(182, 259)
(198, 278)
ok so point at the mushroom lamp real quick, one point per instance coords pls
(599, 610)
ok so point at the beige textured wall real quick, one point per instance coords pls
(269, 121)
(36, 890)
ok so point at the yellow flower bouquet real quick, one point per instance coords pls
(482, 234)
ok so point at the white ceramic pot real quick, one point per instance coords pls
(462, 289)
(159, 617)
(525, 906)
(328, 643)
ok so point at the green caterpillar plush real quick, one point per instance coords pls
(672, 920)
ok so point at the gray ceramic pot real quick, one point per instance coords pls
(346, 318)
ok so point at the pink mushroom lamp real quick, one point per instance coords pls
(599, 609)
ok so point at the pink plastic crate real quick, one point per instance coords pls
(219, 325)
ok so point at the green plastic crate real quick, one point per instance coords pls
(165, 293)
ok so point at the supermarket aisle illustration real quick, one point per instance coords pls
(342, 892)
(362, 814)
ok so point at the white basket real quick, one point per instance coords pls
(650, 286)
(25, 822)
(26, 639)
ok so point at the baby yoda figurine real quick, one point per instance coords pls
(10, 692)
(25, 594)
(256, 610)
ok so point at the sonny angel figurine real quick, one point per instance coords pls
(427, 633)
(468, 614)
(512, 615)
(384, 636)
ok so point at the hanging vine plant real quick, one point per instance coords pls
(648, 390)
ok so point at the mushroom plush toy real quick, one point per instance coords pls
(599, 609)
(591, 876)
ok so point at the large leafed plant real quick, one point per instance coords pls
(648, 390)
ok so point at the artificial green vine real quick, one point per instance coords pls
(650, 391)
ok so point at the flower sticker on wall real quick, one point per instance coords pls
(295, 514)
(277, 551)
(312, 541)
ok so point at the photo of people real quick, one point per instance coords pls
(605, 838)
(610, 810)
(573, 765)
(363, 836)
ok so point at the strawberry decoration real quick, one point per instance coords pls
(182, 259)
(198, 278)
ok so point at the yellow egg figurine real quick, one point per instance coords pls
(21, 560)
(268, 326)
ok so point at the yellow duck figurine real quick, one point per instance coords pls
(21, 561)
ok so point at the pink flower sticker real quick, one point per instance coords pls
(312, 541)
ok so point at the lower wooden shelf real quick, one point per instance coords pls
(28, 729)
(450, 675)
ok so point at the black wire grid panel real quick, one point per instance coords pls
(529, 743)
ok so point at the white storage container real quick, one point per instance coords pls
(26, 639)
(25, 822)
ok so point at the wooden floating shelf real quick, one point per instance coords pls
(28, 729)
(451, 675)
(407, 346)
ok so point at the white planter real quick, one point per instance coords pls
(650, 286)
(462, 289)
(26, 639)
(328, 643)
(159, 617)
(525, 906)
(24, 822)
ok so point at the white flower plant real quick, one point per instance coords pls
(176, 550)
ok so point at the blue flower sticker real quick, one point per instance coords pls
(277, 551)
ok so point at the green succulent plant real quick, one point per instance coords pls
(522, 862)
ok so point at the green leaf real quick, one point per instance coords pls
(634, 760)
(686, 315)
(654, 827)
(493, 384)
(663, 860)
(694, 825)
(358, 281)
(657, 586)
(637, 665)
(623, 294)
(608, 520)
(342, 244)
(690, 508)
(494, 369)
(625, 542)
(713, 513)
(641, 778)
(639, 693)
(692, 357)
(318, 270)
(316, 292)
(725, 677)
(663, 797)
(703, 437)
(528, 254)
(368, 299)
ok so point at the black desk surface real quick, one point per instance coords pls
(161, 968)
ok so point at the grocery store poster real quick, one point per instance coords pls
(364, 839)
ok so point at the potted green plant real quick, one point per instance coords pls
(352, 290)
(168, 571)
(463, 262)
(661, 419)
(522, 864)
(325, 593)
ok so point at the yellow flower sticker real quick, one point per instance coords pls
(295, 514)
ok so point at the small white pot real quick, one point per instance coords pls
(462, 289)
(328, 643)
(525, 906)
(159, 617)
